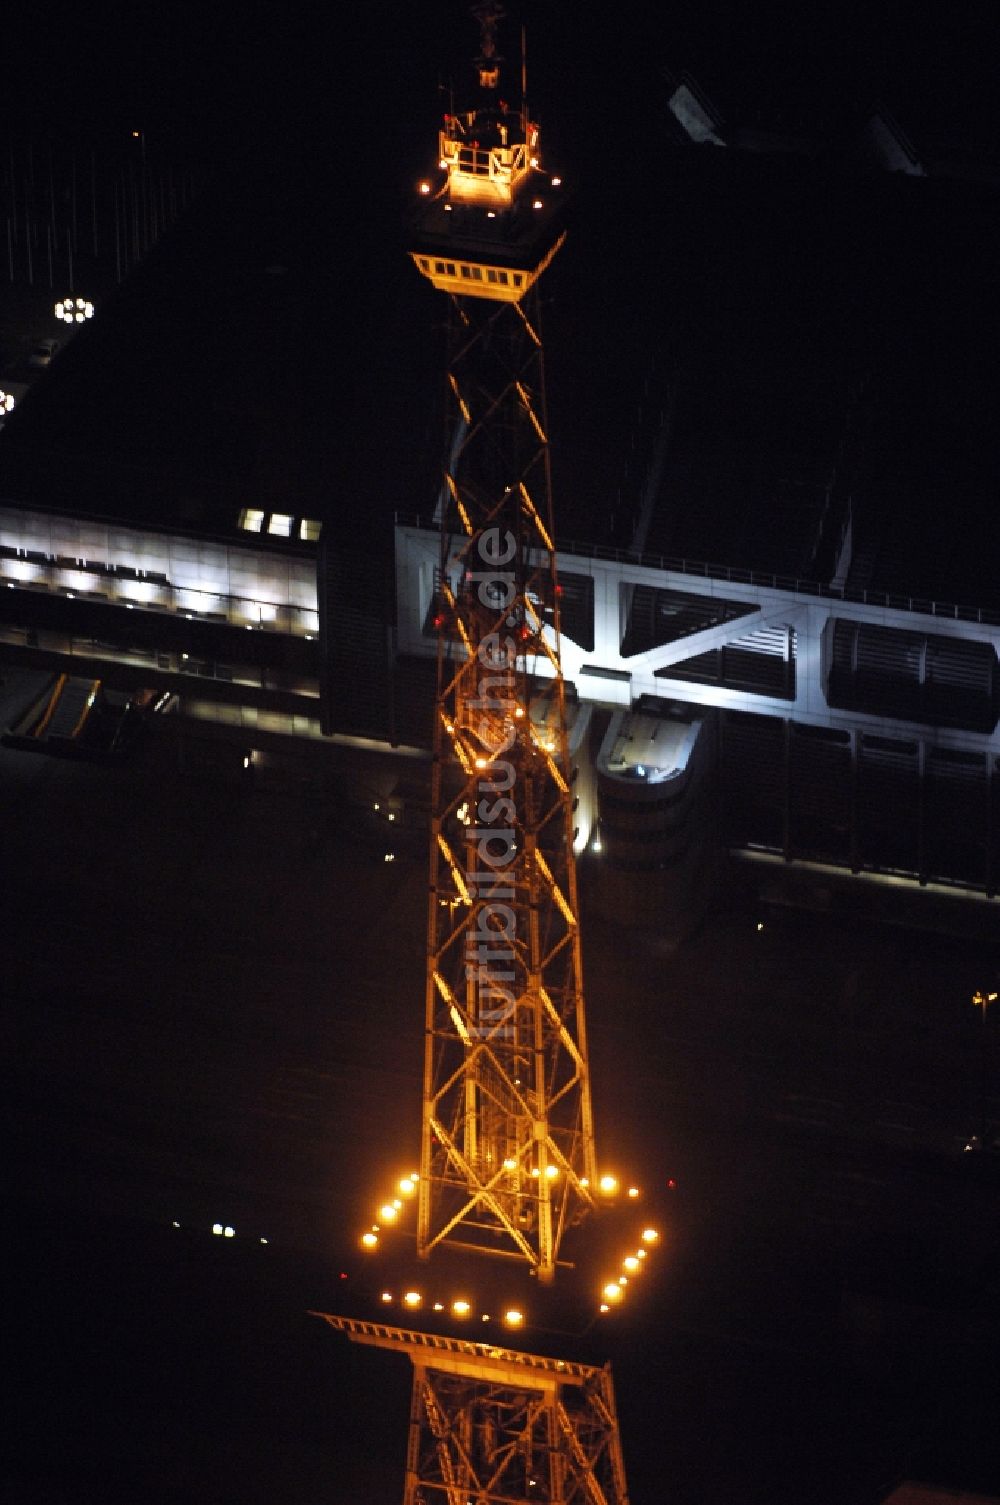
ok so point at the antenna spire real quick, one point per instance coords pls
(489, 14)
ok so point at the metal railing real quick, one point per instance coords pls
(733, 575)
(147, 591)
(384, 1333)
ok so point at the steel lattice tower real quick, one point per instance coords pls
(507, 1147)
(495, 1425)
(507, 1143)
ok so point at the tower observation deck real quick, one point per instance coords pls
(491, 217)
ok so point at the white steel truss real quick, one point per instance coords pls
(604, 673)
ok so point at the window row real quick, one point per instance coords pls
(472, 272)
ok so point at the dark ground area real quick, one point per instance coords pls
(213, 1013)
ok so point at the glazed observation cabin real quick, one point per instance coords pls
(488, 231)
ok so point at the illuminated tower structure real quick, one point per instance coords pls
(507, 1148)
(496, 1425)
(507, 1164)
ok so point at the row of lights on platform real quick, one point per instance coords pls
(390, 1210)
(613, 1290)
(512, 1316)
(389, 1214)
(425, 190)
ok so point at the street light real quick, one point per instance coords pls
(74, 310)
(982, 1000)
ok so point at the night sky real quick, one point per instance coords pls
(164, 1037)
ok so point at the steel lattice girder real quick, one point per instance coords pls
(498, 1426)
(496, 1443)
(507, 1139)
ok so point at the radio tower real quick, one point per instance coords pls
(507, 1141)
(507, 1146)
